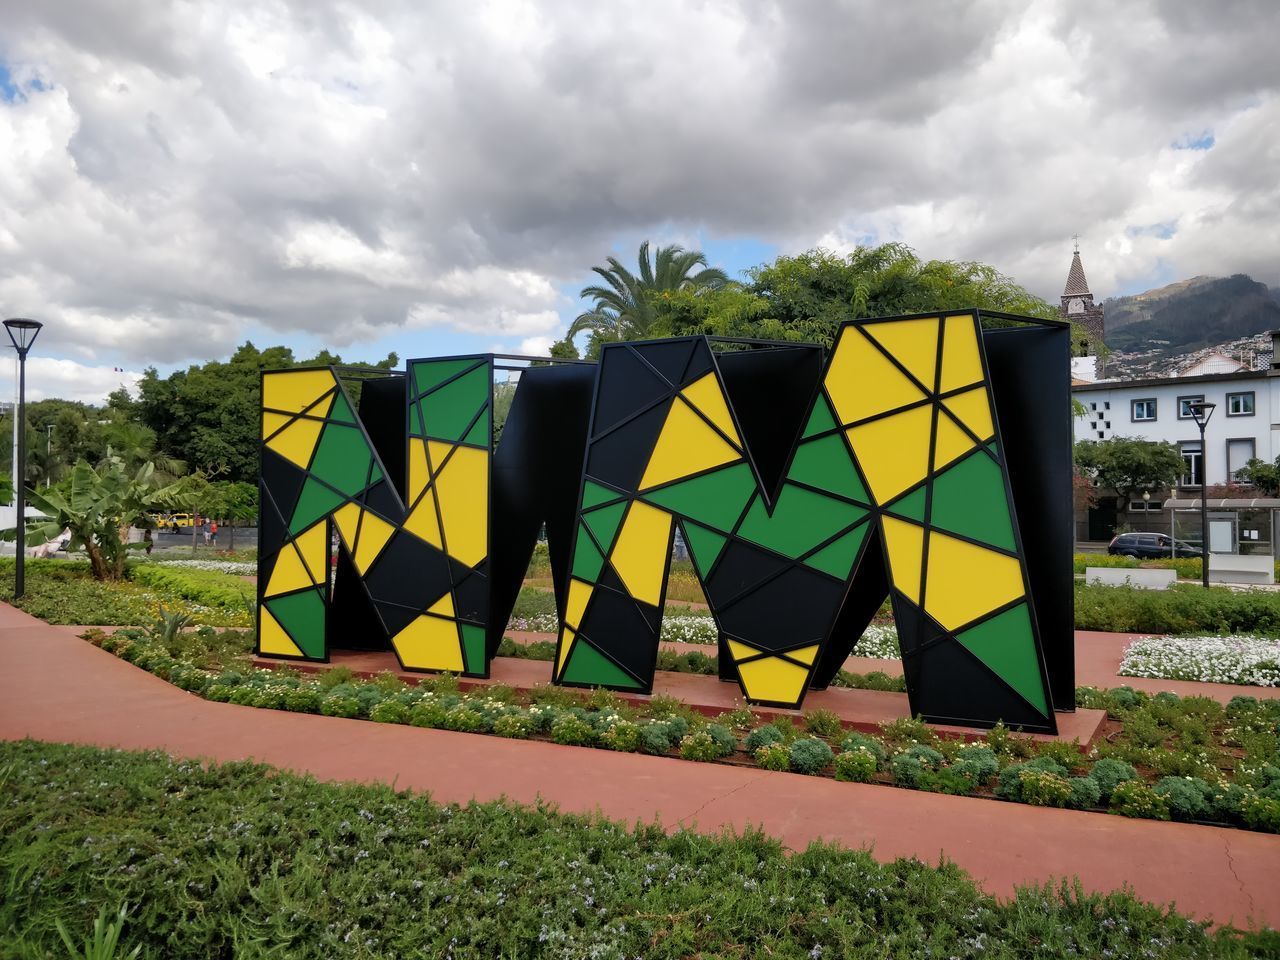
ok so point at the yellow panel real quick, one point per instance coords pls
(419, 472)
(862, 382)
(295, 390)
(773, 679)
(641, 551)
(289, 573)
(686, 445)
(271, 422)
(423, 522)
(973, 410)
(313, 544)
(961, 363)
(804, 654)
(566, 644)
(913, 343)
(741, 651)
(462, 487)
(443, 607)
(296, 441)
(429, 643)
(894, 451)
(273, 641)
(374, 534)
(706, 395)
(951, 442)
(904, 542)
(579, 594)
(966, 581)
(347, 518)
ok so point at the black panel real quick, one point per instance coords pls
(395, 618)
(383, 404)
(789, 610)
(955, 687)
(1029, 368)
(619, 458)
(409, 572)
(534, 482)
(625, 385)
(353, 622)
(771, 391)
(669, 357)
(471, 598)
(624, 630)
(700, 362)
(740, 566)
(382, 498)
(867, 591)
(284, 480)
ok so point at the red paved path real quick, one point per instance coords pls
(55, 687)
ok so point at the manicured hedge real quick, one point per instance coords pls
(241, 860)
(1184, 608)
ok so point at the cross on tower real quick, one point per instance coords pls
(1075, 238)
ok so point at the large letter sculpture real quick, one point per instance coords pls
(806, 491)
(900, 446)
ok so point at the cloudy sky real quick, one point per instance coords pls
(375, 175)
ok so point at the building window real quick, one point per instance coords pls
(1144, 506)
(1240, 404)
(1239, 453)
(1193, 457)
(1143, 410)
(1184, 406)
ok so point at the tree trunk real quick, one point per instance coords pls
(117, 568)
(97, 565)
(231, 542)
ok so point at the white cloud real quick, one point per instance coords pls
(175, 174)
(48, 377)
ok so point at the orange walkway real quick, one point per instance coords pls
(55, 687)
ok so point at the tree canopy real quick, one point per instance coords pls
(1127, 465)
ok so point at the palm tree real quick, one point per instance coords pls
(624, 310)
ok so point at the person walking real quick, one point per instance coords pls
(204, 529)
(213, 532)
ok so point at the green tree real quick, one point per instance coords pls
(99, 506)
(1264, 476)
(233, 503)
(625, 309)
(1129, 466)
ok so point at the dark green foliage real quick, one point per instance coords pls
(761, 737)
(726, 743)
(910, 766)
(875, 680)
(809, 755)
(862, 741)
(823, 723)
(855, 766)
(1109, 773)
(700, 746)
(773, 756)
(1041, 788)
(1188, 798)
(976, 764)
(1010, 782)
(1182, 609)
(1085, 792)
(1133, 798)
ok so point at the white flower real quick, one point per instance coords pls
(1252, 661)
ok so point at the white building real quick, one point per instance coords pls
(1245, 424)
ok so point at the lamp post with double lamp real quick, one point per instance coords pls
(1200, 413)
(23, 333)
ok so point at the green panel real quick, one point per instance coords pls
(801, 520)
(715, 499)
(588, 665)
(473, 648)
(825, 463)
(428, 373)
(604, 522)
(587, 559)
(341, 410)
(1006, 645)
(415, 420)
(593, 495)
(448, 410)
(315, 501)
(342, 458)
(375, 474)
(969, 499)
(910, 507)
(302, 616)
(479, 434)
(820, 419)
(837, 558)
(704, 545)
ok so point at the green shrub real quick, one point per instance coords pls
(466, 719)
(977, 764)
(218, 692)
(301, 700)
(1183, 609)
(723, 737)
(623, 736)
(340, 706)
(514, 726)
(823, 723)
(1009, 785)
(910, 766)
(205, 587)
(855, 766)
(1133, 798)
(773, 756)
(427, 714)
(699, 746)
(1260, 813)
(655, 738)
(1109, 773)
(1040, 788)
(809, 755)
(1085, 792)
(389, 711)
(762, 737)
(1066, 755)
(1187, 797)
(573, 731)
(862, 741)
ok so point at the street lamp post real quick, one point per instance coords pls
(23, 333)
(1200, 413)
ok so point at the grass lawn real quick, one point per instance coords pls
(241, 860)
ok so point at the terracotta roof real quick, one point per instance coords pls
(1077, 285)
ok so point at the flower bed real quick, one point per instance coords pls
(1254, 661)
(234, 567)
(1189, 759)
